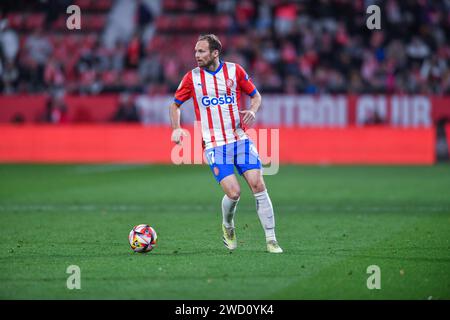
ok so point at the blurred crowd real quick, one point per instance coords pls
(308, 46)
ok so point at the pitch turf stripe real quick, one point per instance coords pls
(89, 169)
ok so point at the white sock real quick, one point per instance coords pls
(265, 213)
(228, 210)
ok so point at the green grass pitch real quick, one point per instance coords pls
(333, 222)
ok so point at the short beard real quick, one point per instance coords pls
(209, 63)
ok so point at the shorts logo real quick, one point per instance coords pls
(230, 83)
(216, 171)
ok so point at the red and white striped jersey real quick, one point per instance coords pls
(216, 96)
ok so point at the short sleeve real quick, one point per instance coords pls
(184, 91)
(244, 81)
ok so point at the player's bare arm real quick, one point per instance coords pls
(177, 132)
(249, 116)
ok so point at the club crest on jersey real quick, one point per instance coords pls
(225, 99)
(230, 83)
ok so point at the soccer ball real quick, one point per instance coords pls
(142, 238)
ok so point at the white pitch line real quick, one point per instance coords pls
(213, 208)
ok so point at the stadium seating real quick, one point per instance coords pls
(354, 64)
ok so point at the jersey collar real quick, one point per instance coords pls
(214, 72)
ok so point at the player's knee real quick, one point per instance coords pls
(234, 194)
(258, 186)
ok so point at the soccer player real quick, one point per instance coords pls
(215, 87)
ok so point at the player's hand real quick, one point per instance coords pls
(248, 117)
(177, 134)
